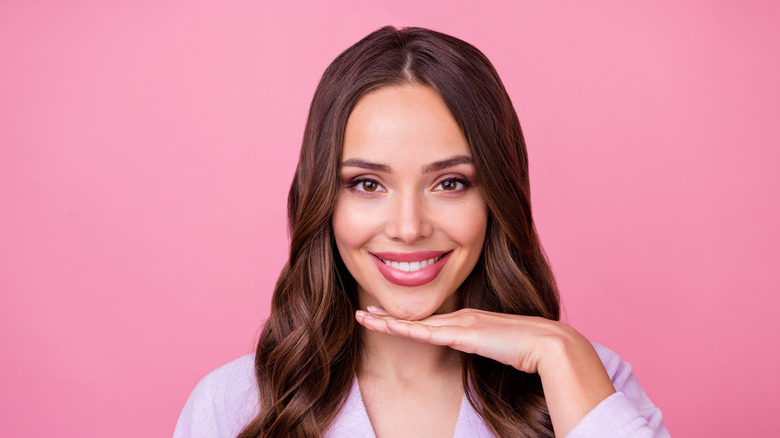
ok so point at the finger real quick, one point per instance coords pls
(372, 322)
(370, 315)
(462, 317)
(452, 336)
(377, 310)
(380, 323)
(439, 320)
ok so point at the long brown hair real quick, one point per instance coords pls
(307, 354)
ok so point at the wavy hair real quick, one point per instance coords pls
(307, 354)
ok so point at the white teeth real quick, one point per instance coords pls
(410, 266)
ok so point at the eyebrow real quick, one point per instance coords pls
(445, 164)
(354, 162)
(428, 168)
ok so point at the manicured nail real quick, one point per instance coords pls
(376, 309)
(363, 314)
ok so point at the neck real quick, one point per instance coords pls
(400, 360)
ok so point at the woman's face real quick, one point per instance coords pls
(409, 221)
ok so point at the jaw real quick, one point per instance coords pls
(410, 305)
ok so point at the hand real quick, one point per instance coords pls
(515, 340)
(573, 377)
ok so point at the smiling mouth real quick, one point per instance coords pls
(411, 269)
(410, 266)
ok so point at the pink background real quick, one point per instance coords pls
(146, 149)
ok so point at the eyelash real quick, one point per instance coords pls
(356, 182)
(462, 181)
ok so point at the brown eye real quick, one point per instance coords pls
(365, 185)
(369, 186)
(449, 184)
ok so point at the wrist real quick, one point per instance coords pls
(562, 347)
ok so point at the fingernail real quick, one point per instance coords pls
(376, 309)
(363, 314)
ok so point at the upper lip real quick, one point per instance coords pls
(416, 256)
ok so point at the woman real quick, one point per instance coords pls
(417, 300)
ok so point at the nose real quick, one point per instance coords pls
(408, 219)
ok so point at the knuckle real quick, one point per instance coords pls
(430, 333)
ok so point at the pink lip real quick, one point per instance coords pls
(417, 278)
(417, 256)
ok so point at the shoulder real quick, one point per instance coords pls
(222, 403)
(622, 376)
(616, 367)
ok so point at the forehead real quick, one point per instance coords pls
(402, 121)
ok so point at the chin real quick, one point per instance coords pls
(412, 315)
(414, 312)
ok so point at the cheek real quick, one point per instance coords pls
(477, 223)
(341, 223)
(351, 229)
(467, 225)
